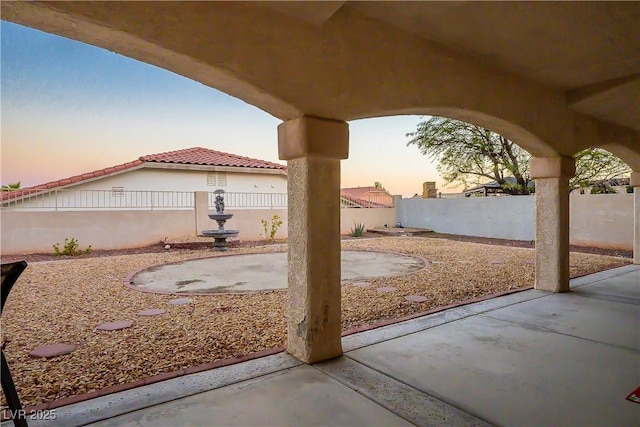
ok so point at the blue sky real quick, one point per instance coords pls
(69, 108)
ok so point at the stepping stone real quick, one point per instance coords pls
(114, 326)
(361, 284)
(497, 261)
(415, 298)
(52, 350)
(180, 301)
(387, 289)
(152, 312)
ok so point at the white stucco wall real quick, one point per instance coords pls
(499, 217)
(602, 220)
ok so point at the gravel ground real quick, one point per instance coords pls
(63, 301)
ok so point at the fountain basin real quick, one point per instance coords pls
(220, 216)
(220, 238)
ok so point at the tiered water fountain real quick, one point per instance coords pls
(220, 235)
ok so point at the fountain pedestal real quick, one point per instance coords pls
(220, 235)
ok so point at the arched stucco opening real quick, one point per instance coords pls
(630, 157)
(524, 138)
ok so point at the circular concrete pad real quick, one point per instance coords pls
(52, 350)
(361, 284)
(257, 272)
(415, 298)
(114, 326)
(152, 312)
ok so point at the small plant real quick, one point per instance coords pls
(270, 229)
(358, 229)
(71, 248)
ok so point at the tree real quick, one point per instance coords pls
(378, 186)
(470, 154)
(11, 187)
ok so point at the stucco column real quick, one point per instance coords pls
(201, 210)
(635, 183)
(552, 221)
(313, 148)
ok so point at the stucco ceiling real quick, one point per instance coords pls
(554, 76)
(591, 48)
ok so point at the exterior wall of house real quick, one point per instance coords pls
(603, 220)
(151, 179)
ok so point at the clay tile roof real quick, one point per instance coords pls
(357, 191)
(205, 156)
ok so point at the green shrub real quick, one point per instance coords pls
(71, 248)
(270, 229)
(358, 229)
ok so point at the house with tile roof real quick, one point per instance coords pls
(187, 170)
(365, 197)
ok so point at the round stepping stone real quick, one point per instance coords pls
(152, 312)
(361, 284)
(180, 301)
(52, 350)
(114, 326)
(387, 289)
(415, 298)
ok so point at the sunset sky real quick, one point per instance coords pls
(69, 108)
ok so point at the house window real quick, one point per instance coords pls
(117, 191)
(211, 178)
(222, 179)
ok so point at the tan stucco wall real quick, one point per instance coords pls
(375, 217)
(602, 220)
(29, 232)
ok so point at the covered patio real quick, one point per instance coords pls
(555, 78)
(531, 358)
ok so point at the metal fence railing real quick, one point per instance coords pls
(116, 198)
(97, 199)
(236, 200)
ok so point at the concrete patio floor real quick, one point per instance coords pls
(525, 359)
